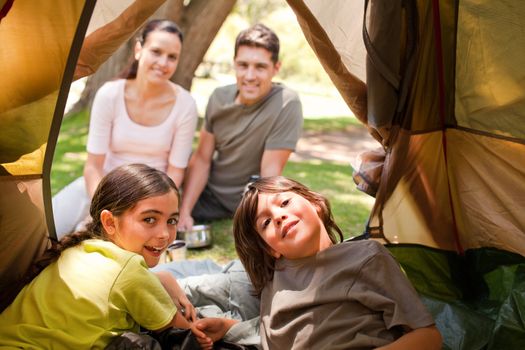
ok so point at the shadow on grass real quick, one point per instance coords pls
(330, 124)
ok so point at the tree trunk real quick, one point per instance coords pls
(107, 71)
(199, 20)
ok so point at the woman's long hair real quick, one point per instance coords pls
(118, 191)
(164, 25)
(253, 251)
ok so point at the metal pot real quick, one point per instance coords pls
(198, 237)
(176, 251)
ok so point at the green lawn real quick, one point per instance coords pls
(350, 207)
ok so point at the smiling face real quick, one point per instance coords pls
(290, 225)
(254, 71)
(147, 228)
(159, 56)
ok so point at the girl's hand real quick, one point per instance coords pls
(177, 295)
(186, 307)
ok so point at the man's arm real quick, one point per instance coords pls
(273, 161)
(197, 177)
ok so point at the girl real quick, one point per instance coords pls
(316, 294)
(141, 118)
(94, 285)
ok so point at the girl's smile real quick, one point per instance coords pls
(159, 56)
(147, 228)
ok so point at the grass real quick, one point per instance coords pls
(350, 207)
(330, 124)
(70, 151)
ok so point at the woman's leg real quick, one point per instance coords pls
(70, 207)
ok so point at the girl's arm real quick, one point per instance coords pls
(179, 321)
(426, 338)
(177, 295)
(182, 320)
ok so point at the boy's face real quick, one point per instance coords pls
(290, 225)
(254, 71)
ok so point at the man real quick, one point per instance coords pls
(250, 128)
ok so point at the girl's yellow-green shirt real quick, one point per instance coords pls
(94, 292)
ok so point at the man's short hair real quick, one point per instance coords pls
(259, 35)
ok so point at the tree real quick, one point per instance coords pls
(255, 11)
(199, 20)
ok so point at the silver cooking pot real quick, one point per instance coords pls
(198, 237)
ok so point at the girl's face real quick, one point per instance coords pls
(147, 228)
(159, 56)
(290, 225)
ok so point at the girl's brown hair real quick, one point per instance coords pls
(253, 251)
(121, 189)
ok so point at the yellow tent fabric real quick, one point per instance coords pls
(36, 39)
(40, 42)
(454, 174)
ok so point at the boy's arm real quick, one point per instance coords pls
(215, 327)
(426, 338)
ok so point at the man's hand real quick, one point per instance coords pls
(215, 328)
(185, 222)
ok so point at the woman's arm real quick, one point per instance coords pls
(176, 174)
(99, 135)
(198, 173)
(93, 172)
(426, 338)
(184, 133)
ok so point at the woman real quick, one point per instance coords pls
(143, 118)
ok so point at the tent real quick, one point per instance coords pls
(439, 83)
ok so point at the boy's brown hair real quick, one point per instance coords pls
(253, 251)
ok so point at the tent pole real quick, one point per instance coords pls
(441, 89)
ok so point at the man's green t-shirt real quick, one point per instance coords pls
(242, 134)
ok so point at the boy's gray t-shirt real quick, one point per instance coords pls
(243, 133)
(350, 296)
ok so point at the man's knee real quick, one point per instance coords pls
(208, 208)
